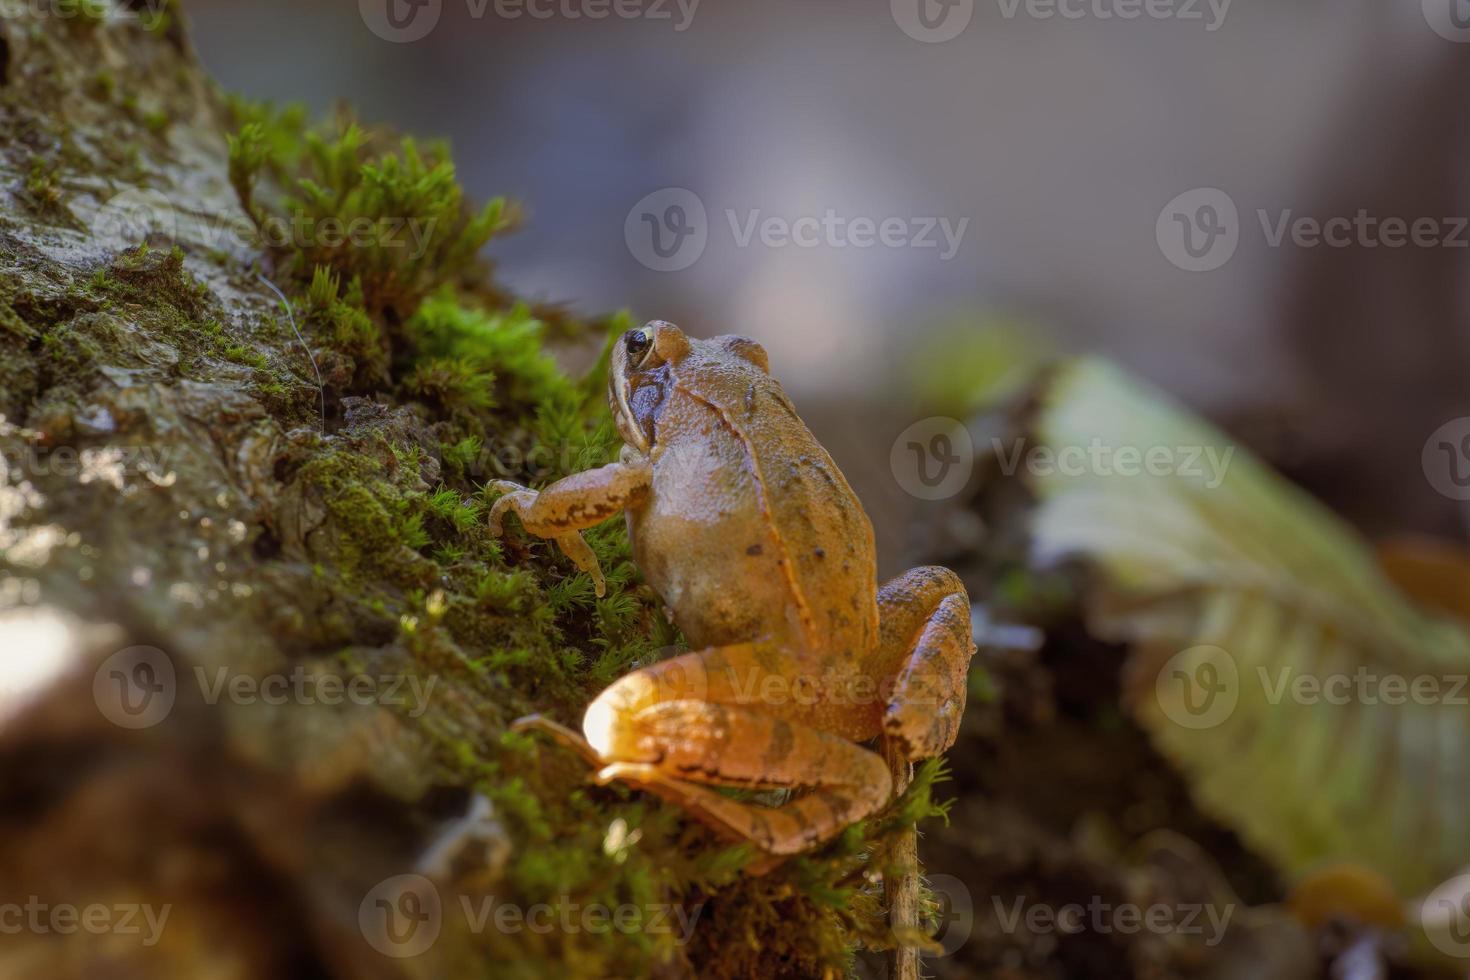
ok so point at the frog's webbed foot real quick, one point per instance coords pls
(925, 633)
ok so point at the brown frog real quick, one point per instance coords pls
(745, 527)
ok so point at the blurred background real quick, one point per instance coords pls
(1045, 138)
(886, 193)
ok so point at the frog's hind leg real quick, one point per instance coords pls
(731, 745)
(925, 647)
(708, 718)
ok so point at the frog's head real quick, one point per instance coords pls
(638, 375)
(644, 362)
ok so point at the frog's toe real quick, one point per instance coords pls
(575, 547)
(559, 733)
(504, 486)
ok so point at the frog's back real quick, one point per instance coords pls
(734, 450)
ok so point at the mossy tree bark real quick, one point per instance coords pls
(259, 652)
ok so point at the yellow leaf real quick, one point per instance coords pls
(1312, 705)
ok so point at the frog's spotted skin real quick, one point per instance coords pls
(745, 527)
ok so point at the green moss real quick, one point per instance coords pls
(12, 324)
(103, 86)
(389, 214)
(43, 191)
(156, 120)
(337, 317)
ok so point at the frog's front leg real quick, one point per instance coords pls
(563, 510)
(925, 646)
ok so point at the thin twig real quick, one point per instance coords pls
(902, 890)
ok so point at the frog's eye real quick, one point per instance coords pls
(638, 342)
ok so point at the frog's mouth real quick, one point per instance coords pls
(617, 397)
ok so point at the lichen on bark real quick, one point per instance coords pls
(176, 480)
